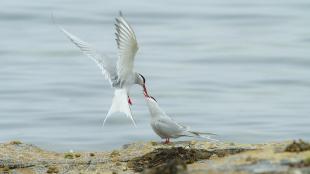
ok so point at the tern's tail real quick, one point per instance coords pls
(120, 104)
(201, 135)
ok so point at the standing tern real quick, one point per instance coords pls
(165, 127)
(120, 74)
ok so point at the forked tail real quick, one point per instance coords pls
(205, 135)
(120, 104)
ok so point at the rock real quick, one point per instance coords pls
(183, 157)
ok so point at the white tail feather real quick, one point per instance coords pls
(120, 104)
(208, 138)
(204, 135)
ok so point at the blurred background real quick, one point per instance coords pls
(237, 68)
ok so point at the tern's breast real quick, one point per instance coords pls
(156, 129)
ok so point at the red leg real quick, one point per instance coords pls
(167, 141)
(129, 100)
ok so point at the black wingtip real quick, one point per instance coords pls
(53, 18)
(120, 13)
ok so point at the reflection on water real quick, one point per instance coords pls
(240, 69)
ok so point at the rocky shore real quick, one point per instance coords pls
(190, 157)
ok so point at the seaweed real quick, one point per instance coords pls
(5, 170)
(52, 169)
(174, 166)
(297, 146)
(167, 159)
(77, 155)
(16, 142)
(69, 155)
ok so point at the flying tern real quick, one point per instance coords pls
(120, 73)
(165, 127)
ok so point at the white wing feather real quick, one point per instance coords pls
(104, 63)
(127, 47)
(168, 127)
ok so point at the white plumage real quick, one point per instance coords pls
(120, 73)
(165, 127)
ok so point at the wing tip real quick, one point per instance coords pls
(120, 13)
(132, 120)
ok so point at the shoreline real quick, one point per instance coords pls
(153, 157)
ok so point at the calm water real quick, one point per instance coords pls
(237, 68)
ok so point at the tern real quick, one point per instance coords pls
(165, 127)
(120, 73)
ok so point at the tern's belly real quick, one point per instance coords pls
(162, 133)
(158, 132)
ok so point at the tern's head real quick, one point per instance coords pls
(153, 106)
(141, 81)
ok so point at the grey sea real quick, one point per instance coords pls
(237, 68)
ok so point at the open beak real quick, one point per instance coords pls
(145, 91)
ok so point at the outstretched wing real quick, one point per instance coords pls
(107, 66)
(127, 47)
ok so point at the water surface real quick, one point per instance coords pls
(236, 68)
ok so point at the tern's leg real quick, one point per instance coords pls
(129, 100)
(166, 141)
